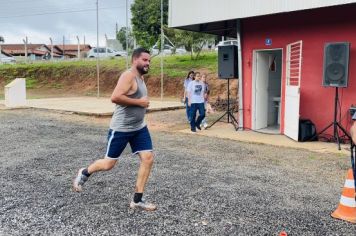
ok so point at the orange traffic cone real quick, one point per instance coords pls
(347, 207)
(283, 233)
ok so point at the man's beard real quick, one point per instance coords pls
(141, 70)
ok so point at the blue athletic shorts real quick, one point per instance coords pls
(139, 141)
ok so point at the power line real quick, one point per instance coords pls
(40, 8)
(12, 2)
(57, 12)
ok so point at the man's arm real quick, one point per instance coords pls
(123, 87)
(353, 132)
(353, 129)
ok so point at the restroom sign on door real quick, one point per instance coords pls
(268, 42)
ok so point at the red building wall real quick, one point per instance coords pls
(314, 28)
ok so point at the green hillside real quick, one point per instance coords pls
(79, 77)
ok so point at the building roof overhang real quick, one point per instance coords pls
(220, 17)
(223, 28)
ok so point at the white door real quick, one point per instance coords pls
(261, 90)
(292, 98)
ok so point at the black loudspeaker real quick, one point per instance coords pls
(307, 131)
(336, 64)
(227, 62)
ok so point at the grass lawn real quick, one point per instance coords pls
(174, 66)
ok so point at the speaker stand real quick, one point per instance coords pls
(228, 113)
(335, 123)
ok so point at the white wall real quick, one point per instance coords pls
(15, 93)
(190, 12)
(274, 87)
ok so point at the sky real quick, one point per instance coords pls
(38, 20)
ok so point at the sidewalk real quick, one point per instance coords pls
(224, 130)
(103, 107)
(90, 105)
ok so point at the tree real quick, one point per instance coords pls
(121, 36)
(191, 41)
(146, 21)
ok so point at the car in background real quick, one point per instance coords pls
(168, 50)
(105, 52)
(180, 51)
(6, 59)
(122, 53)
(225, 43)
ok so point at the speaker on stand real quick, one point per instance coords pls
(227, 69)
(335, 74)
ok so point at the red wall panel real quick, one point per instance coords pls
(314, 28)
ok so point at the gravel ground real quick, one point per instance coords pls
(203, 186)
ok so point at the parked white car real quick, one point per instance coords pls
(105, 52)
(122, 53)
(6, 60)
(181, 51)
(226, 42)
(167, 50)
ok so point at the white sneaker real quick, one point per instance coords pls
(143, 206)
(205, 125)
(79, 181)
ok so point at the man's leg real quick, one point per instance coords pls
(144, 171)
(117, 142)
(141, 144)
(101, 165)
(84, 173)
(142, 177)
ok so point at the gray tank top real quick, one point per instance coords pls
(130, 118)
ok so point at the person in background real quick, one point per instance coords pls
(188, 79)
(206, 99)
(353, 129)
(196, 97)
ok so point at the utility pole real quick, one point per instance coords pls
(106, 45)
(97, 46)
(78, 47)
(2, 40)
(64, 51)
(127, 36)
(25, 41)
(162, 47)
(84, 47)
(50, 39)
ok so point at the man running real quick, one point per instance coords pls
(128, 126)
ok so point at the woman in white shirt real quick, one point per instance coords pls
(190, 78)
(196, 98)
